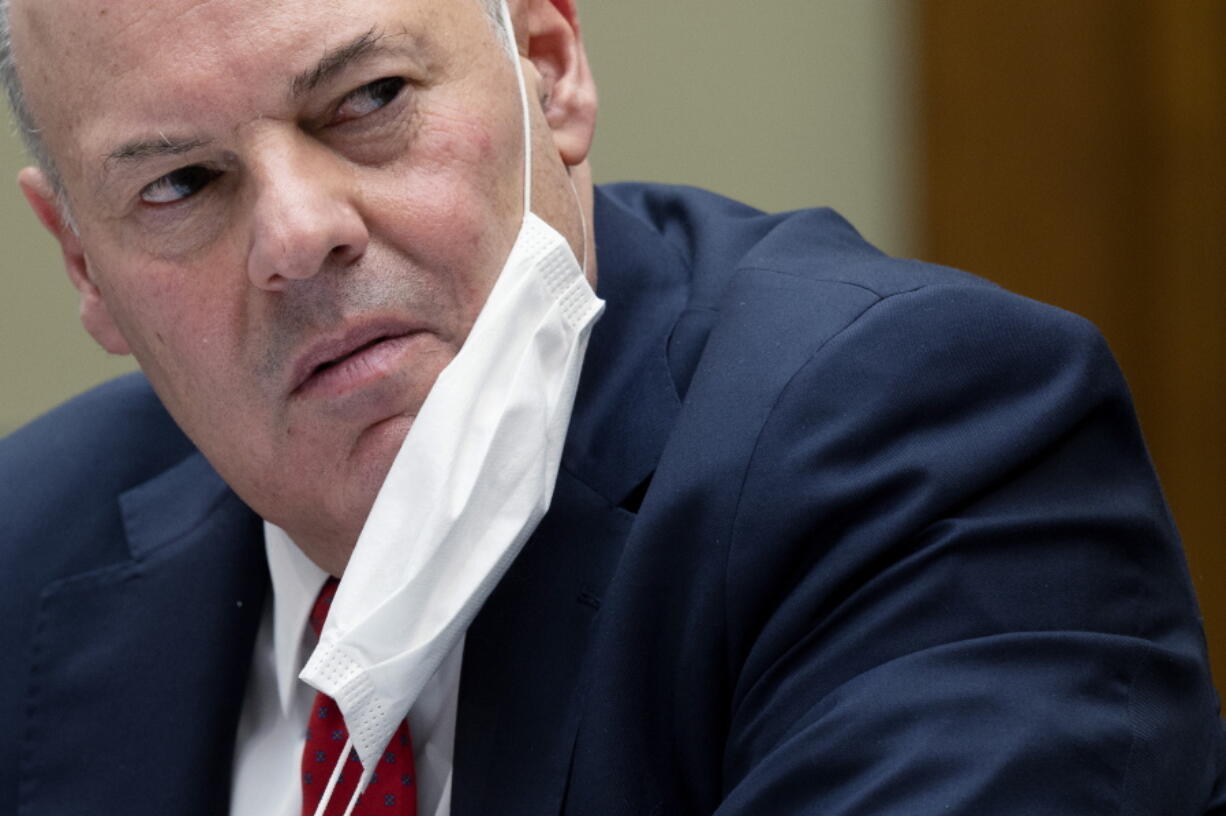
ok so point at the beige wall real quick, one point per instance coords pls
(45, 355)
(782, 103)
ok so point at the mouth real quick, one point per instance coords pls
(344, 363)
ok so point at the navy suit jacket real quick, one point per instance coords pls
(834, 533)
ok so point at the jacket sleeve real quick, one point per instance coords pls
(954, 586)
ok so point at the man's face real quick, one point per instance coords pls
(292, 213)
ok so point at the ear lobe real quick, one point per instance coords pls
(567, 90)
(95, 316)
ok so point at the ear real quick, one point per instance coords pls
(95, 315)
(548, 33)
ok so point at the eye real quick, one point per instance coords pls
(367, 99)
(178, 185)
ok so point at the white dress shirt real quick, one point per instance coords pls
(272, 727)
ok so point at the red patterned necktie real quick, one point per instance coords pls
(393, 788)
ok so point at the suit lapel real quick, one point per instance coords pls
(627, 401)
(522, 660)
(522, 685)
(140, 667)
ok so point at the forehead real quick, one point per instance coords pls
(89, 67)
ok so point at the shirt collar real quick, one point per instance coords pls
(296, 582)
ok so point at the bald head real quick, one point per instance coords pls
(12, 17)
(12, 85)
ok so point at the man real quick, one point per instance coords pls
(832, 533)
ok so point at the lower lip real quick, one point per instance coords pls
(357, 371)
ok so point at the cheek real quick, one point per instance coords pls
(453, 204)
(183, 330)
(453, 166)
(450, 133)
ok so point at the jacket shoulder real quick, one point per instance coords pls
(721, 238)
(762, 288)
(64, 471)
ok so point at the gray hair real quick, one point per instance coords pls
(32, 136)
(17, 101)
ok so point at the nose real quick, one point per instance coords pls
(305, 216)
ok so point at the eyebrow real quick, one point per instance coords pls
(334, 61)
(163, 145)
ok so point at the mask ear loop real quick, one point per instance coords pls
(332, 780)
(326, 798)
(359, 790)
(582, 218)
(523, 104)
(525, 111)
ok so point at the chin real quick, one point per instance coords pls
(376, 448)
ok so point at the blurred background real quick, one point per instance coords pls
(1071, 150)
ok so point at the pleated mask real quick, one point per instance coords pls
(469, 485)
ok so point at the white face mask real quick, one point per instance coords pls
(469, 485)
